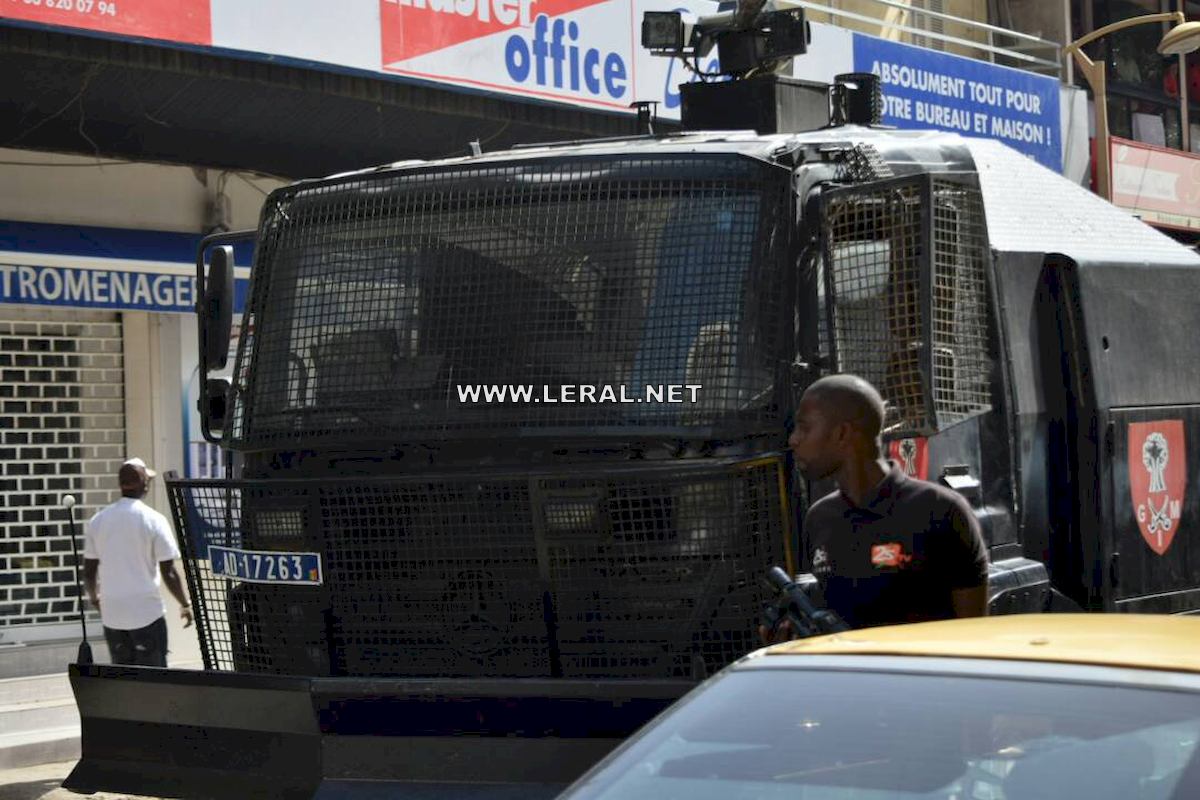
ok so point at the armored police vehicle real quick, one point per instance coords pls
(511, 430)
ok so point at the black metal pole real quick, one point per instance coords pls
(85, 649)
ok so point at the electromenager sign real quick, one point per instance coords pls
(78, 266)
(111, 288)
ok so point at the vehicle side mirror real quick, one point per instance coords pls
(216, 308)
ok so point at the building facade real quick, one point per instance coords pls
(1153, 113)
(97, 352)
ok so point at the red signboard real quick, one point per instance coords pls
(412, 28)
(1160, 186)
(185, 21)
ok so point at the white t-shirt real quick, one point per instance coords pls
(130, 539)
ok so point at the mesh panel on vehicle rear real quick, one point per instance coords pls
(874, 265)
(906, 264)
(377, 299)
(655, 574)
(959, 311)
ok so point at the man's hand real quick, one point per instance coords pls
(185, 614)
(782, 633)
(95, 603)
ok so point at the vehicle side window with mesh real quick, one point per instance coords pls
(905, 296)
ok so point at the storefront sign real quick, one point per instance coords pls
(103, 288)
(184, 21)
(584, 52)
(89, 267)
(929, 89)
(1160, 186)
(580, 52)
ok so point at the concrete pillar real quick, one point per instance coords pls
(153, 396)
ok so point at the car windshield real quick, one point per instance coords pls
(812, 735)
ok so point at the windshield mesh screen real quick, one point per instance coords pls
(535, 294)
(656, 574)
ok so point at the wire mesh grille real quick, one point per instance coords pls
(650, 575)
(375, 299)
(962, 357)
(905, 263)
(873, 271)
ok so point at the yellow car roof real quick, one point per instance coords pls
(1144, 641)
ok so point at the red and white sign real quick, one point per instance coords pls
(912, 455)
(585, 52)
(579, 52)
(1160, 186)
(412, 28)
(184, 21)
(1157, 479)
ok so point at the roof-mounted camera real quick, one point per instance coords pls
(750, 88)
(754, 37)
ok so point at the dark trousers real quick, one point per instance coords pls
(144, 647)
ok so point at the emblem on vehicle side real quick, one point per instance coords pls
(1157, 479)
(912, 455)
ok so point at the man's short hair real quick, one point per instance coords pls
(849, 398)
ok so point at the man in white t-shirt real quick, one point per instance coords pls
(128, 547)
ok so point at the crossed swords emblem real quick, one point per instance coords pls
(1160, 520)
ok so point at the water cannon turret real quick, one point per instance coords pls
(754, 37)
(757, 40)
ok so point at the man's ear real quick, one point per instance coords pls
(843, 432)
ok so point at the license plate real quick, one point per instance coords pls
(260, 566)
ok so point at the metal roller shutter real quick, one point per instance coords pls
(62, 430)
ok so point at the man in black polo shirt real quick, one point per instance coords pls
(886, 548)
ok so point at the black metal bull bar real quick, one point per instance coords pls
(650, 573)
(191, 734)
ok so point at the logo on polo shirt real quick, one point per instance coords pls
(890, 554)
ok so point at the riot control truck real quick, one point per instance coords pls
(511, 432)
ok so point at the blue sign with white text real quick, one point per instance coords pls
(104, 288)
(927, 89)
(111, 268)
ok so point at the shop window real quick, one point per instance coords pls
(1120, 120)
